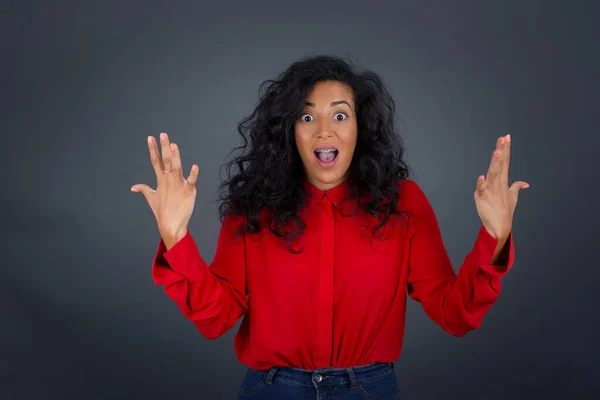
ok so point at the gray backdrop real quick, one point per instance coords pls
(84, 84)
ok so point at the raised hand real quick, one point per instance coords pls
(494, 200)
(173, 200)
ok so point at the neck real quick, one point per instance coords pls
(324, 186)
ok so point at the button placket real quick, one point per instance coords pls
(326, 270)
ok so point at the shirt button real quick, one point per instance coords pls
(318, 378)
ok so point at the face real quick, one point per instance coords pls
(326, 134)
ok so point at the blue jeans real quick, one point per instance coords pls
(374, 381)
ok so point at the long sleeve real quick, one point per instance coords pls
(212, 296)
(456, 302)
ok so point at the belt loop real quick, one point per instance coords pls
(270, 374)
(392, 365)
(352, 376)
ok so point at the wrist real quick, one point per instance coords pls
(170, 239)
(500, 235)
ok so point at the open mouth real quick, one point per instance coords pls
(326, 156)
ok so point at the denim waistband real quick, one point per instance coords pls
(328, 376)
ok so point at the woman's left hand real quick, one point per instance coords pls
(495, 201)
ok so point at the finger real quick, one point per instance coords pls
(500, 143)
(175, 157)
(155, 157)
(143, 189)
(495, 168)
(193, 175)
(496, 164)
(166, 151)
(505, 160)
(481, 185)
(516, 187)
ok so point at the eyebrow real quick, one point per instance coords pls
(333, 103)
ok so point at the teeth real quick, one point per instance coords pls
(325, 150)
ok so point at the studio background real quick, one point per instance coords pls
(84, 83)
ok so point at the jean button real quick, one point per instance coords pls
(318, 378)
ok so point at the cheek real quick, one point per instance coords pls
(303, 145)
(348, 138)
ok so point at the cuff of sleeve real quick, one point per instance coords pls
(183, 258)
(483, 254)
(161, 271)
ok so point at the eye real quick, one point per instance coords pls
(306, 118)
(340, 116)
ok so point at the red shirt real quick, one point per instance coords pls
(342, 301)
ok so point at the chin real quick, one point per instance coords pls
(327, 179)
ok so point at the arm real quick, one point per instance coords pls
(213, 297)
(456, 302)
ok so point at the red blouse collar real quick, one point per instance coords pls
(335, 195)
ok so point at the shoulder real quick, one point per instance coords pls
(409, 192)
(233, 224)
(241, 224)
(412, 199)
(406, 184)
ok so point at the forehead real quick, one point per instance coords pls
(330, 91)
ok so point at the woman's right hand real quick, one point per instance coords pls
(173, 200)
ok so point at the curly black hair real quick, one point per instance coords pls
(267, 174)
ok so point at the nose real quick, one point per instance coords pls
(324, 129)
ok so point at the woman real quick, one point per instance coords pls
(322, 237)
